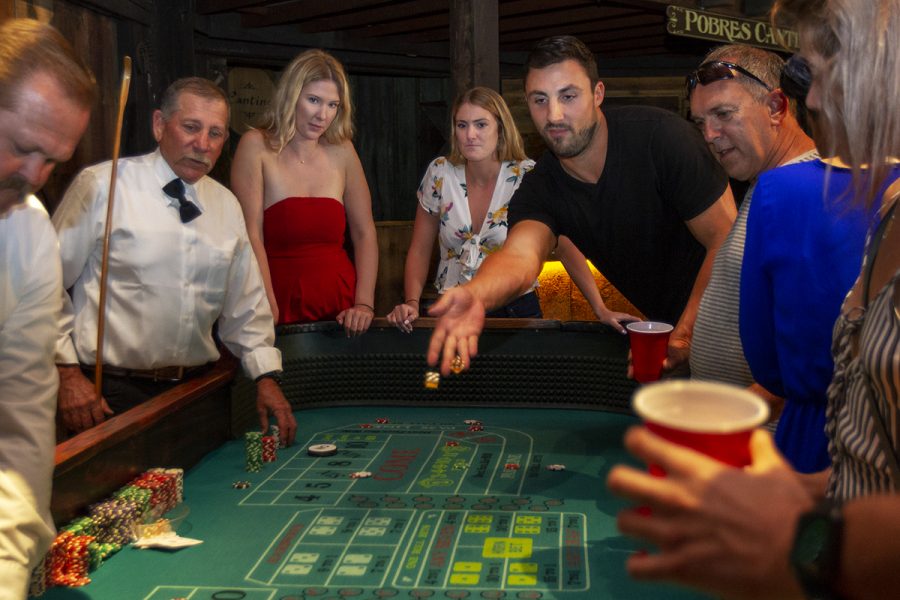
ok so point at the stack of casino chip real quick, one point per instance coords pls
(85, 543)
(275, 432)
(81, 526)
(253, 447)
(178, 474)
(38, 584)
(268, 448)
(139, 495)
(68, 560)
(98, 552)
(164, 492)
(116, 520)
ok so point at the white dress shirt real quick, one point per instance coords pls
(168, 282)
(30, 302)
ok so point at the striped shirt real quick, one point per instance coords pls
(716, 351)
(866, 352)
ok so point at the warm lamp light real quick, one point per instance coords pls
(561, 299)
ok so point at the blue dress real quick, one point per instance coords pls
(802, 254)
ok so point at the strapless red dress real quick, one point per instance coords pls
(312, 276)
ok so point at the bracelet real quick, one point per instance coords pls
(372, 308)
(410, 300)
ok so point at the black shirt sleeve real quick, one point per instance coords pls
(531, 202)
(686, 170)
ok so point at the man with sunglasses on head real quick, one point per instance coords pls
(751, 127)
(634, 188)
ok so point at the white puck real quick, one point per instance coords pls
(322, 450)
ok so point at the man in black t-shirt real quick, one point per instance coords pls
(636, 189)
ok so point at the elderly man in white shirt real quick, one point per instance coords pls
(46, 93)
(180, 262)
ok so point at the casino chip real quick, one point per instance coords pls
(476, 428)
(240, 485)
(382, 421)
(556, 467)
(322, 450)
(360, 475)
(452, 443)
(512, 467)
(472, 422)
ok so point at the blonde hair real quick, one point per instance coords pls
(509, 142)
(860, 86)
(313, 65)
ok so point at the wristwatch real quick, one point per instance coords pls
(274, 375)
(816, 553)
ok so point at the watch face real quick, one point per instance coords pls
(812, 531)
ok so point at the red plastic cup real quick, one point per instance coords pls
(716, 419)
(649, 347)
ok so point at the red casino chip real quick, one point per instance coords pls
(451, 443)
(382, 421)
(476, 428)
(512, 467)
(365, 426)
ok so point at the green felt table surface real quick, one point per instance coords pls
(445, 515)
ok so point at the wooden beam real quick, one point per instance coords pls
(335, 10)
(211, 7)
(474, 44)
(140, 12)
(585, 29)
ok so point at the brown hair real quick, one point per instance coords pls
(559, 48)
(28, 48)
(509, 142)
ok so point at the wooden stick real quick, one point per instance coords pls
(104, 268)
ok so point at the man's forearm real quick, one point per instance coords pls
(502, 277)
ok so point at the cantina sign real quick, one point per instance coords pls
(733, 30)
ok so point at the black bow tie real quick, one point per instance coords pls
(187, 209)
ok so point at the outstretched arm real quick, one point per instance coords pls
(505, 274)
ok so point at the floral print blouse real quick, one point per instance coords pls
(462, 246)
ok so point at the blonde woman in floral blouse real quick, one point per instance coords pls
(464, 200)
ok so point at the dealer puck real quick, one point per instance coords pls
(322, 450)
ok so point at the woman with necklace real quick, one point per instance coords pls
(301, 186)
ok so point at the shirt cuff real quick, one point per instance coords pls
(65, 352)
(261, 360)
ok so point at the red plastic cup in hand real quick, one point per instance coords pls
(649, 348)
(716, 419)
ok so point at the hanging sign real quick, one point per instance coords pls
(687, 22)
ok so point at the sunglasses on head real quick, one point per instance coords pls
(796, 77)
(717, 70)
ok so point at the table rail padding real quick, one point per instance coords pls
(521, 363)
